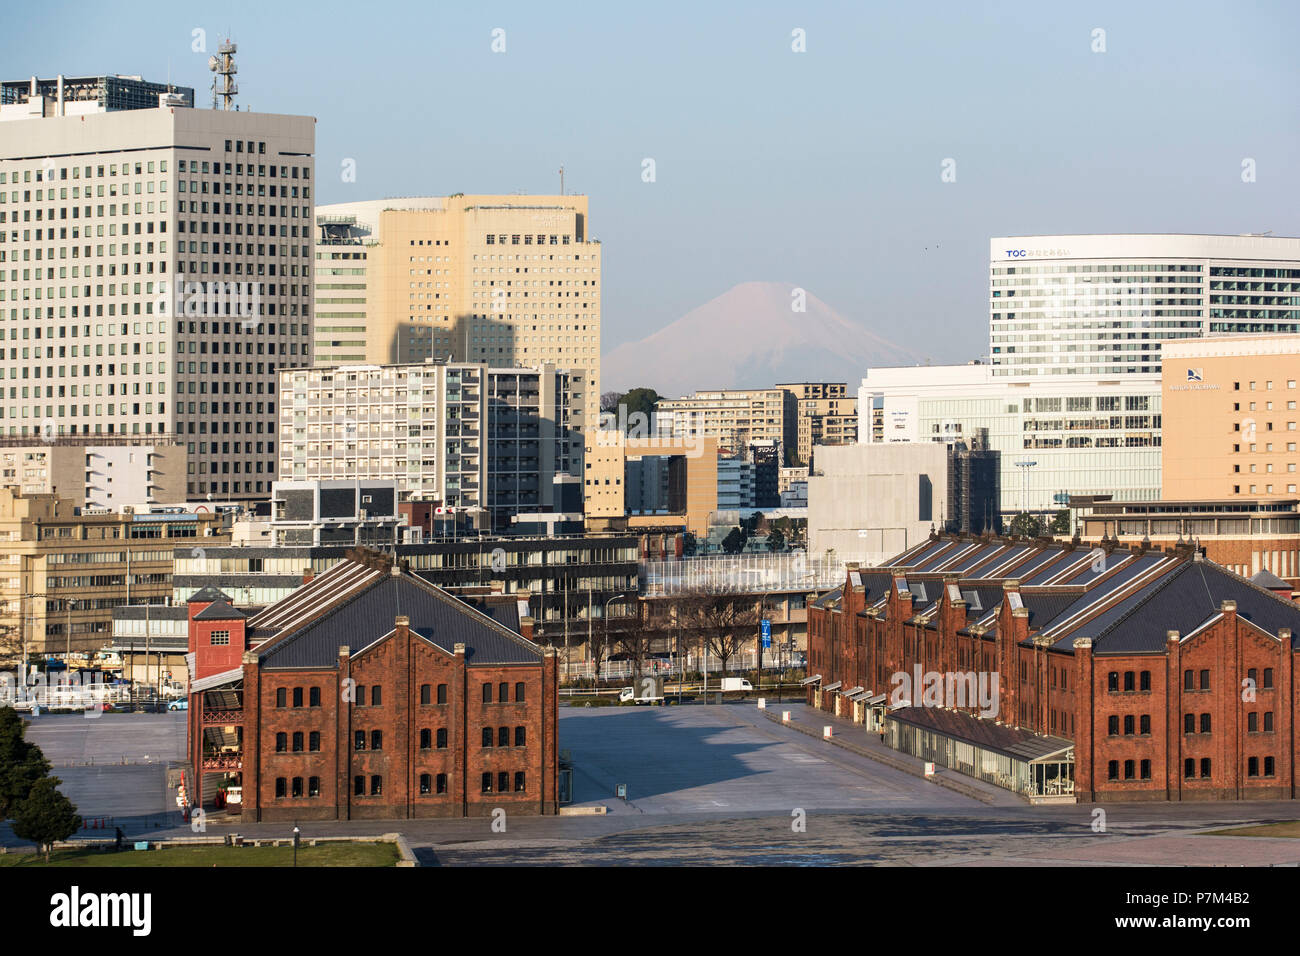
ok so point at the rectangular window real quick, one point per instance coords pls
(426, 695)
(1144, 680)
(376, 740)
(487, 693)
(442, 783)
(280, 696)
(313, 697)
(280, 786)
(520, 736)
(375, 697)
(487, 783)
(220, 639)
(297, 697)
(359, 740)
(442, 693)
(358, 786)
(376, 785)
(519, 782)
(313, 741)
(519, 692)
(313, 786)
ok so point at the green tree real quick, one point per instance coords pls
(643, 400)
(775, 540)
(734, 541)
(689, 545)
(45, 816)
(21, 762)
(1060, 522)
(1026, 525)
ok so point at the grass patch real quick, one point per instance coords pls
(1291, 829)
(323, 854)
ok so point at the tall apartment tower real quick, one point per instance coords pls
(505, 280)
(121, 209)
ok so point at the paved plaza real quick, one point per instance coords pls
(706, 785)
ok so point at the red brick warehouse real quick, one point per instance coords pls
(370, 693)
(1121, 674)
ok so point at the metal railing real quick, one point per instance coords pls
(792, 571)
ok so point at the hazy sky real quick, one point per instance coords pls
(819, 168)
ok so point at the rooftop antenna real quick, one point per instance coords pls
(223, 67)
(561, 180)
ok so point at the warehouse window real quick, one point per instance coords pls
(1205, 766)
(1189, 768)
(297, 697)
(1112, 770)
(519, 692)
(487, 693)
(361, 695)
(1205, 723)
(375, 697)
(1268, 721)
(520, 736)
(1189, 682)
(487, 736)
(1128, 725)
(297, 786)
(503, 692)
(1189, 723)
(1128, 769)
(359, 740)
(1268, 678)
(1205, 680)
(1144, 725)
(1268, 766)
(297, 741)
(359, 786)
(426, 739)
(376, 740)
(1144, 680)
(313, 786)
(487, 783)
(1146, 769)
(281, 743)
(520, 786)
(280, 786)
(376, 785)
(1252, 721)
(313, 741)
(1252, 766)
(313, 697)
(442, 738)
(503, 737)
(280, 697)
(442, 693)
(426, 783)
(425, 694)
(1112, 679)
(503, 782)
(442, 783)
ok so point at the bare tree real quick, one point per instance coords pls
(641, 638)
(721, 621)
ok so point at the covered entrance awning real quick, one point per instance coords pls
(811, 680)
(836, 686)
(1033, 765)
(852, 691)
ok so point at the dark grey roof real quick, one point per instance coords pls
(368, 616)
(220, 611)
(208, 594)
(1267, 579)
(829, 598)
(1182, 601)
(1046, 606)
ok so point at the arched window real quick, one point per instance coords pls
(442, 783)
(503, 782)
(297, 742)
(297, 697)
(426, 783)
(313, 741)
(280, 786)
(442, 693)
(442, 738)
(376, 785)
(487, 783)
(280, 697)
(487, 693)
(503, 692)
(520, 736)
(281, 742)
(313, 786)
(426, 741)
(297, 786)
(519, 782)
(358, 786)
(503, 737)
(376, 740)
(426, 694)
(519, 692)
(487, 736)
(313, 697)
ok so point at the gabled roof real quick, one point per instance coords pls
(365, 615)
(220, 611)
(1183, 601)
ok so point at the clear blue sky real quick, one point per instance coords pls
(820, 169)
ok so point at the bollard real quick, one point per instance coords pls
(785, 716)
(826, 732)
(762, 703)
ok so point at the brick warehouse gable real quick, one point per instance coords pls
(1054, 622)
(368, 624)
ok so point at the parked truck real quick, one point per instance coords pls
(736, 684)
(645, 690)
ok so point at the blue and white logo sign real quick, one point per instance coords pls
(1195, 375)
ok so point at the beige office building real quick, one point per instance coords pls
(734, 418)
(1231, 418)
(692, 481)
(155, 270)
(63, 569)
(505, 280)
(96, 474)
(826, 415)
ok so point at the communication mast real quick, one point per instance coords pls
(223, 83)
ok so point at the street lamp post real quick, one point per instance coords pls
(297, 834)
(605, 615)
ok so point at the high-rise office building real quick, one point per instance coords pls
(155, 271)
(1101, 305)
(506, 280)
(827, 415)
